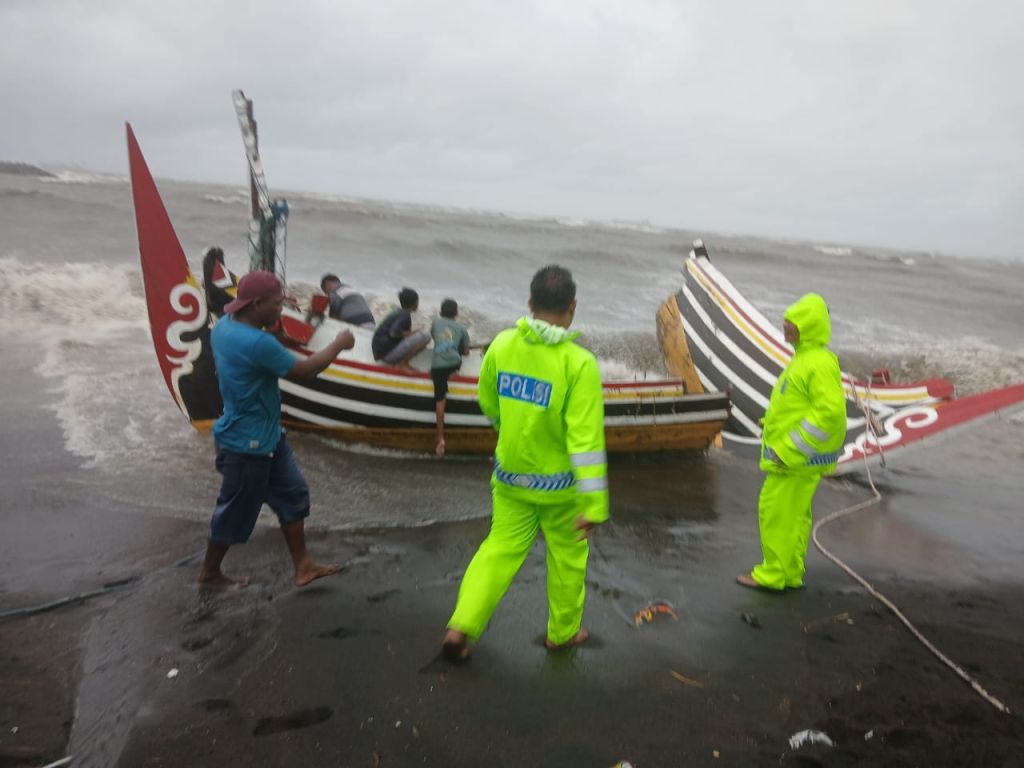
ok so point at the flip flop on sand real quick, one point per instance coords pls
(746, 580)
(455, 646)
(576, 640)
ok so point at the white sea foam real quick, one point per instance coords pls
(973, 365)
(241, 197)
(78, 298)
(834, 250)
(91, 323)
(84, 177)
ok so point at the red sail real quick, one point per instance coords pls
(177, 307)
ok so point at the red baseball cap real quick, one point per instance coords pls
(255, 285)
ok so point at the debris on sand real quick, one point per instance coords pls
(659, 607)
(686, 680)
(797, 740)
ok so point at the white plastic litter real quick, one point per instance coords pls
(869, 735)
(172, 674)
(797, 740)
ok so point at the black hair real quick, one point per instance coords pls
(408, 298)
(211, 258)
(552, 289)
(449, 309)
(325, 278)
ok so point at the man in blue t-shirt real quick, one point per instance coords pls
(253, 456)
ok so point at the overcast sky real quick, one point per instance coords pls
(888, 122)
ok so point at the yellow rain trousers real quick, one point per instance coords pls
(543, 393)
(804, 431)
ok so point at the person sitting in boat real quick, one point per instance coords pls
(347, 304)
(394, 341)
(451, 342)
(218, 281)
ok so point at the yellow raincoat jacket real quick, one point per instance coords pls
(805, 425)
(804, 431)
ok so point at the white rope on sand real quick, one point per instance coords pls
(878, 595)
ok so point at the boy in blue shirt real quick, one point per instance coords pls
(451, 342)
(253, 456)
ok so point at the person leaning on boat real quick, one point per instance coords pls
(394, 341)
(253, 456)
(543, 393)
(219, 282)
(347, 304)
(803, 433)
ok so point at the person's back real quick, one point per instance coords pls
(346, 303)
(394, 342)
(533, 368)
(450, 340)
(543, 394)
(350, 306)
(387, 334)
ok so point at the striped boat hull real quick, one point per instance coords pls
(716, 340)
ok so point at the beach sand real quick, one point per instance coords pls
(346, 672)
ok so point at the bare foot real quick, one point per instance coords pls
(455, 646)
(312, 571)
(747, 580)
(217, 580)
(576, 640)
(440, 448)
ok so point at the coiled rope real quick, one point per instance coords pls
(874, 592)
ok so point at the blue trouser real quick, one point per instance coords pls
(248, 483)
(514, 526)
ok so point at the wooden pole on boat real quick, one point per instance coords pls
(254, 200)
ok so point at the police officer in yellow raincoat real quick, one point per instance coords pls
(803, 435)
(543, 394)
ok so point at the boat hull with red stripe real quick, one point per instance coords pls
(356, 399)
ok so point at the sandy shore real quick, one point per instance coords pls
(345, 672)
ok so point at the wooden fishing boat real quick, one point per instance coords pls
(717, 341)
(356, 399)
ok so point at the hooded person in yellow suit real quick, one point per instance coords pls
(543, 394)
(803, 435)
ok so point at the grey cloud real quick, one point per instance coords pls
(888, 123)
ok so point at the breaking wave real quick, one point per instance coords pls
(239, 198)
(83, 177)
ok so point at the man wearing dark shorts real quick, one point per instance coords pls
(451, 342)
(253, 455)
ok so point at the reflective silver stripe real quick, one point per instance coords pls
(801, 445)
(588, 459)
(813, 431)
(590, 484)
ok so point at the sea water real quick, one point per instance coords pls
(73, 301)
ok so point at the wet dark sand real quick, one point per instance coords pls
(345, 672)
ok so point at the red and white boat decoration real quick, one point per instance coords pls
(717, 341)
(357, 399)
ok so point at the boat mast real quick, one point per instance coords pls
(268, 225)
(254, 205)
